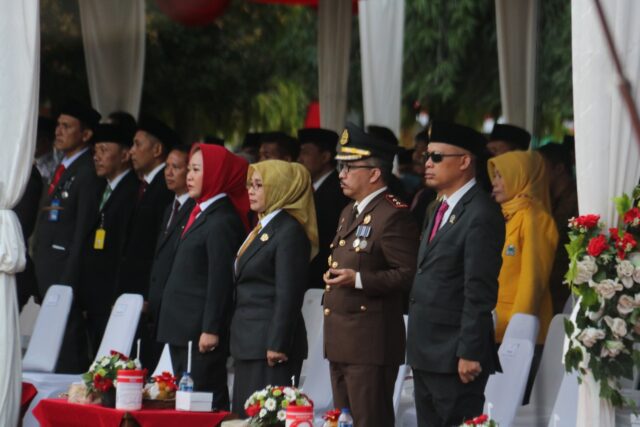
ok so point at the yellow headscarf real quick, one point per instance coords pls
(287, 186)
(525, 180)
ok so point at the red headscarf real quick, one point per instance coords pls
(224, 172)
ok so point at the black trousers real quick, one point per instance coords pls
(254, 375)
(208, 371)
(442, 400)
(367, 390)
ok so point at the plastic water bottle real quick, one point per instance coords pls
(186, 383)
(345, 419)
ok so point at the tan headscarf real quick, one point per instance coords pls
(287, 186)
(525, 180)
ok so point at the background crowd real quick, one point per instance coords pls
(222, 245)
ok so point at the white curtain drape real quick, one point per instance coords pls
(607, 155)
(113, 36)
(381, 41)
(19, 87)
(334, 45)
(517, 34)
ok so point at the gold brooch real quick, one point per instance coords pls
(264, 237)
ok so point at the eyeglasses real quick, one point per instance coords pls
(255, 186)
(347, 167)
(438, 157)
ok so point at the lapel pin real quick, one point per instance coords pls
(264, 237)
(452, 219)
(367, 219)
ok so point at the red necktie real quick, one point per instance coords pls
(56, 178)
(439, 215)
(192, 217)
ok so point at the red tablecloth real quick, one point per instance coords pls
(28, 393)
(60, 413)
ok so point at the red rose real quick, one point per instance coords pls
(586, 221)
(483, 418)
(120, 355)
(597, 245)
(632, 217)
(253, 410)
(624, 245)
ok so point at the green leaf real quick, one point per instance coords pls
(623, 204)
(572, 359)
(569, 327)
(589, 297)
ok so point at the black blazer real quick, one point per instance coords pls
(144, 227)
(165, 251)
(456, 288)
(59, 244)
(200, 284)
(99, 267)
(329, 201)
(270, 284)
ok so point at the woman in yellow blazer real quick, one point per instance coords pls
(531, 239)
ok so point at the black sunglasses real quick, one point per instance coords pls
(438, 157)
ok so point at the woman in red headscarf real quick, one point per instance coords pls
(197, 300)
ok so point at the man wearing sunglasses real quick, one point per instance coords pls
(450, 343)
(371, 266)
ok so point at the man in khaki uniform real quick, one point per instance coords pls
(372, 262)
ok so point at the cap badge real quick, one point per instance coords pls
(344, 138)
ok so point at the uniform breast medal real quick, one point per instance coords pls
(362, 232)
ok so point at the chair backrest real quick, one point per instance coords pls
(568, 306)
(122, 325)
(402, 373)
(317, 385)
(312, 314)
(164, 364)
(565, 410)
(523, 326)
(48, 332)
(551, 370)
(504, 391)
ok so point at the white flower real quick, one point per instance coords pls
(270, 404)
(104, 362)
(626, 304)
(625, 270)
(261, 394)
(586, 269)
(617, 325)
(282, 415)
(607, 288)
(262, 413)
(596, 315)
(611, 348)
(589, 336)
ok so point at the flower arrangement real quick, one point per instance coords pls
(102, 373)
(161, 387)
(482, 421)
(331, 417)
(604, 272)
(268, 407)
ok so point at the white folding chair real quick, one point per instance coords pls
(122, 325)
(565, 409)
(568, 306)
(48, 332)
(626, 417)
(523, 326)
(402, 373)
(504, 391)
(547, 381)
(28, 317)
(313, 321)
(118, 336)
(164, 364)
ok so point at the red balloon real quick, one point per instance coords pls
(193, 12)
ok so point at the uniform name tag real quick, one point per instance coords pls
(98, 242)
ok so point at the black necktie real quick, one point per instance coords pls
(174, 214)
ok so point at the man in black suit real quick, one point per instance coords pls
(317, 152)
(173, 222)
(451, 345)
(151, 145)
(69, 211)
(104, 244)
(278, 146)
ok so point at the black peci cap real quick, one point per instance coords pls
(356, 144)
(325, 139)
(514, 135)
(383, 133)
(158, 129)
(87, 115)
(458, 135)
(107, 132)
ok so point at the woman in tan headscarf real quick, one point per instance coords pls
(531, 239)
(268, 336)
